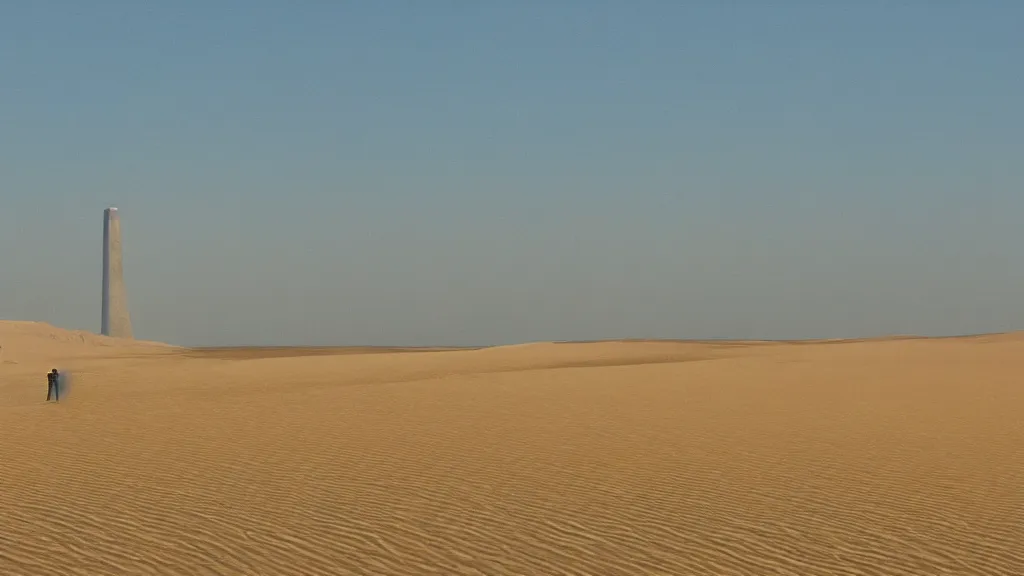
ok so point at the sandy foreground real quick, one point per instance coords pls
(901, 456)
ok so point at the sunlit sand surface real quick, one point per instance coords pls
(632, 458)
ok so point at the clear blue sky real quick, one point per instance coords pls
(494, 172)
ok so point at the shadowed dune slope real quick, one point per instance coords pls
(610, 458)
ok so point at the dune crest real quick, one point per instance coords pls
(30, 344)
(44, 331)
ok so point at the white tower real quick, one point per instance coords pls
(115, 320)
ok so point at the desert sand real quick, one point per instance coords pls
(889, 456)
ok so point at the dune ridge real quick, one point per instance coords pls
(897, 456)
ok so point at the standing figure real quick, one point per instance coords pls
(53, 385)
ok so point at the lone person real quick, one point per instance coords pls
(53, 385)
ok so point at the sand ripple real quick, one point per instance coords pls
(860, 459)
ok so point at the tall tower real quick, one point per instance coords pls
(115, 320)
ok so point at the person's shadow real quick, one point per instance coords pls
(64, 381)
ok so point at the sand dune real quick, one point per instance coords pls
(876, 457)
(35, 342)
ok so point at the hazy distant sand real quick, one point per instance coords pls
(876, 457)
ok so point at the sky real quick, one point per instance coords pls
(480, 173)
